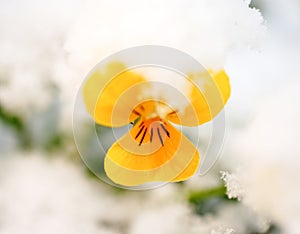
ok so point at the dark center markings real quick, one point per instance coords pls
(166, 131)
(160, 138)
(143, 136)
(139, 132)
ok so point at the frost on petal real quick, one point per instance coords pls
(233, 185)
(167, 86)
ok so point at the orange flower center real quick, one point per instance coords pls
(152, 127)
(152, 122)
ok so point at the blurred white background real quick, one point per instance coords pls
(47, 48)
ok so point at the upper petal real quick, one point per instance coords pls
(209, 93)
(110, 96)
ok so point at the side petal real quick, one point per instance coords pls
(129, 164)
(209, 93)
(109, 95)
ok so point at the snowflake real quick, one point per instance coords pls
(233, 185)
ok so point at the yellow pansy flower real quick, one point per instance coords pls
(153, 149)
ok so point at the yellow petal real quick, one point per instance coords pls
(208, 96)
(190, 170)
(96, 82)
(162, 159)
(110, 98)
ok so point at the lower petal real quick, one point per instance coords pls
(190, 170)
(177, 159)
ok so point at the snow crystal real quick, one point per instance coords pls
(233, 185)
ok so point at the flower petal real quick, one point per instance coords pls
(109, 97)
(190, 170)
(208, 96)
(128, 163)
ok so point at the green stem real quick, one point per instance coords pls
(15, 122)
(196, 196)
(10, 119)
